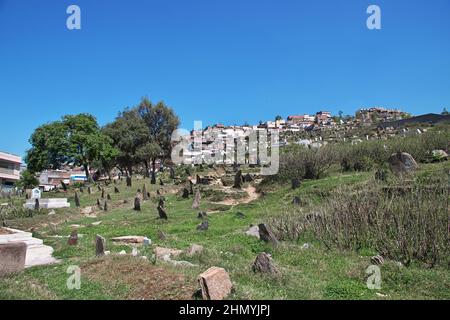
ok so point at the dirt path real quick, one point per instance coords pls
(252, 196)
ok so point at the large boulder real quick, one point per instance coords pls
(12, 257)
(215, 284)
(402, 163)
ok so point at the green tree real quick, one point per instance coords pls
(27, 180)
(277, 118)
(76, 140)
(48, 147)
(129, 134)
(445, 112)
(161, 122)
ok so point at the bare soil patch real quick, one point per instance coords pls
(145, 280)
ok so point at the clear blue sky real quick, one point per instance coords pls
(226, 61)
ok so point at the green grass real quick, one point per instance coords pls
(314, 273)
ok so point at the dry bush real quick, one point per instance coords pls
(406, 222)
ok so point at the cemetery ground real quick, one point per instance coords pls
(310, 271)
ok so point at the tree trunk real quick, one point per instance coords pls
(86, 171)
(147, 173)
(153, 181)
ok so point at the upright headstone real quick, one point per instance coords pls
(137, 204)
(144, 192)
(266, 234)
(161, 183)
(153, 179)
(116, 190)
(185, 193)
(77, 200)
(172, 173)
(203, 226)
(162, 213)
(238, 180)
(191, 187)
(129, 183)
(99, 246)
(295, 183)
(36, 193)
(36, 204)
(197, 198)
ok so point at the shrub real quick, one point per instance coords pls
(406, 221)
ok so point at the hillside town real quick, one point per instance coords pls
(305, 129)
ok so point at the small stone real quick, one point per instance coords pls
(264, 264)
(203, 226)
(202, 215)
(305, 246)
(51, 213)
(194, 249)
(253, 232)
(122, 253)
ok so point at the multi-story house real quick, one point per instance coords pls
(9, 169)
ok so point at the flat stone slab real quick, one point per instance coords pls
(163, 253)
(215, 283)
(53, 203)
(129, 239)
(36, 252)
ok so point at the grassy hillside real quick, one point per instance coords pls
(316, 272)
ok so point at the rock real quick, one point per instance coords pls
(295, 183)
(202, 215)
(51, 213)
(264, 264)
(108, 197)
(161, 252)
(440, 155)
(194, 249)
(215, 284)
(73, 239)
(36, 204)
(162, 213)
(96, 223)
(402, 163)
(381, 175)
(161, 202)
(122, 253)
(129, 239)
(377, 260)
(185, 194)
(134, 252)
(238, 180)
(116, 190)
(296, 201)
(191, 187)
(129, 182)
(266, 234)
(253, 231)
(137, 204)
(203, 226)
(305, 246)
(99, 246)
(12, 257)
(87, 210)
(196, 202)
